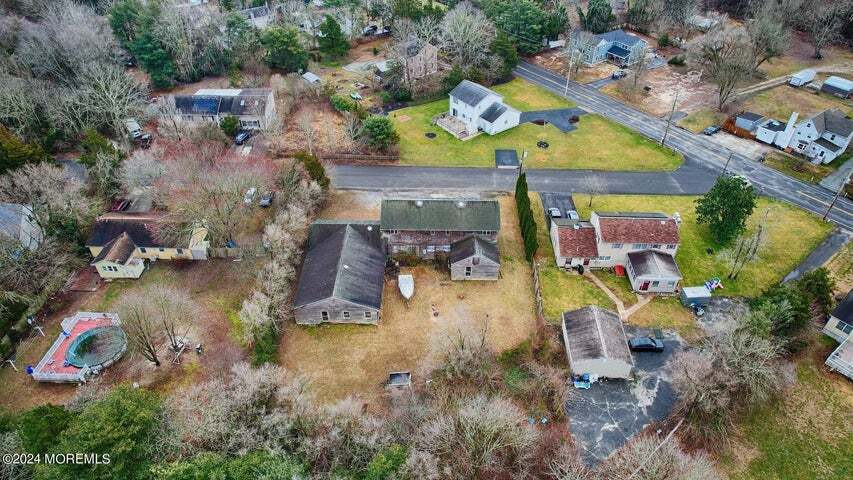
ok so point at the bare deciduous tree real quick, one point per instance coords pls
(463, 353)
(142, 169)
(33, 272)
(648, 457)
(595, 186)
(465, 34)
(679, 14)
(769, 33)
(823, 20)
(724, 55)
(143, 331)
(578, 43)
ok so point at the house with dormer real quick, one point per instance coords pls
(253, 107)
(617, 46)
(823, 137)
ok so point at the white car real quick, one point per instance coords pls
(249, 197)
(742, 179)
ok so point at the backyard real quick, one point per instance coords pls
(801, 169)
(344, 360)
(582, 148)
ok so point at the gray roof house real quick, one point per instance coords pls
(254, 107)
(474, 258)
(16, 223)
(596, 343)
(474, 109)
(748, 121)
(616, 46)
(823, 137)
(429, 226)
(840, 87)
(653, 271)
(840, 327)
(342, 276)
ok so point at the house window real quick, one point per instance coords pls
(641, 246)
(671, 246)
(142, 249)
(655, 283)
(346, 315)
(617, 246)
(845, 327)
(324, 316)
(656, 245)
(180, 251)
(368, 315)
(467, 271)
(670, 284)
(162, 249)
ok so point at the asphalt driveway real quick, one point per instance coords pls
(558, 117)
(562, 201)
(606, 416)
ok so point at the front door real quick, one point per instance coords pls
(586, 261)
(644, 286)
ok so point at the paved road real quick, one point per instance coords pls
(695, 148)
(821, 254)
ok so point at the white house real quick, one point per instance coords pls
(254, 107)
(840, 327)
(596, 343)
(774, 132)
(475, 108)
(17, 223)
(608, 237)
(823, 137)
(653, 271)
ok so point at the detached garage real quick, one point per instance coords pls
(596, 344)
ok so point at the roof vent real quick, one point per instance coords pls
(242, 102)
(370, 228)
(460, 204)
(346, 267)
(419, 203)
(677, 217)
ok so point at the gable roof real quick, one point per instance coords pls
(594, 333)
(142, 230)
(118, 250)
(209, 101)
(440, 215)
(653, 263)
(834, 121)
(577, 240)
(197, 105)
(750, 116)
(471, 93)
(620, 36)
(839, 83)
(473, 245)
(495, 110)
(343, 261)
(619, 227)
(844, 310)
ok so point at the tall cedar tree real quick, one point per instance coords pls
(726, 208)
(284, 50)
(314, 168)
(16, 153)
(333, 43)
(503, 47)
(525, 218)
(598, 18)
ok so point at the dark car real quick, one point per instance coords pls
(242, 136)
(619, 74)
(645, 344)
(370, 30)
(266, 199)
(711, 130)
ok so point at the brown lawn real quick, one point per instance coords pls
(345, 360)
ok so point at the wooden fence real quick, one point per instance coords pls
(541, 324)
(357, 157)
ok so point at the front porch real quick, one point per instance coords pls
(453, 126)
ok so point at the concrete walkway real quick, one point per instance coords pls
(624, 313)
(820, 255)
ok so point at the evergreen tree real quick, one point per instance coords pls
(333, 42)
(598, 18)
(525, 217)
(15, 153)
(284, 50)
(503, 47)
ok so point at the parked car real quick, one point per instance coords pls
(741, 177)
(242, 136)
(619, 74)
(645, 344)
(711, 130)
(136, 134)
(554, 213)
(266, 199)
(249, 197)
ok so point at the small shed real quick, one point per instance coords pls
(474, 258)
(653, 271)
(695, 295)
(840, 87)
(311, 78)
(596, 343)
(506, 159)
(748, 121)
(802, 77)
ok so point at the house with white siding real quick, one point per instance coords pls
(823, 137)
(474, 109)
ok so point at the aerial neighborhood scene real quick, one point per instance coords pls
(426, 239)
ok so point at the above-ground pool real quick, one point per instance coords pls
(98, 347)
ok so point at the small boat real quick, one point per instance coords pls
(406, 283)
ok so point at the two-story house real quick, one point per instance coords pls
(475, 108)
(121, 242)
(823, 137)
(430, 226)
(840, 327)
(253, 107)
(616, 46)
(643, 243)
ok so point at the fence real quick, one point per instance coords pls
(358, 157)
(541, 324)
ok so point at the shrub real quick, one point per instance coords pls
(266, 346)
(375, 51)
(41, 426)
(92, 144)
(677, 61)
(386, 463)
(378, 132)
(229, 125)
(314, 168)
(6, 346)
(663, 40)
(818, 286)
(211, 465)
(342, 104)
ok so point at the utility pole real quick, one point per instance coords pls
(835, 198)
(726, 168)
(669, 120)
(569, 72)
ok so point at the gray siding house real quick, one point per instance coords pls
(653, 271)
(748, 121)
(473, 258)
(427, 227)
(342, 276)
(615, 46)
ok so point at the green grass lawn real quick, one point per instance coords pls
(800, 169)
(698, 120)
(806, 435)
(779, 102)
(561, 291)
(791, 234)
(620, 286)
(597, 143)
(668, 313)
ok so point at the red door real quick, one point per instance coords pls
(644, 286)
(586, 261)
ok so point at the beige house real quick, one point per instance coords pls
(474, 258)
(120, 243)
